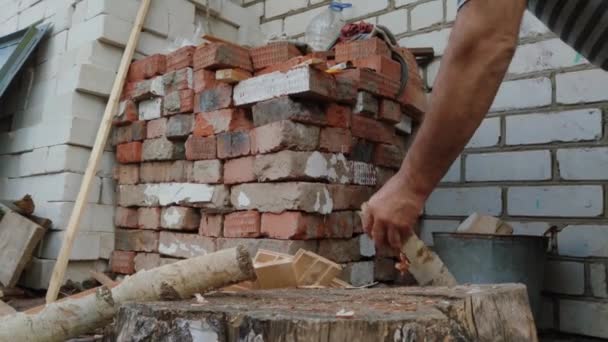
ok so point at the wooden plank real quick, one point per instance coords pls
(103, 279)
(232, 76)
(483, 224)
(263, 256)
(98, 149)
(314, 270)
(18, 238)
(276, 275)
(6, 309)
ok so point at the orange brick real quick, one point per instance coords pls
(293, 226)
(388, 156)
(126, 174)
(390, 111)
(382, 65)
(272, 54)
(215, 98)
(198, 148)
(203, 80)
(211, 225)
(371, 81)
(123, 262)
(148, 218)
(338, 116)
(156, 128)
(125, 217)
(129, 153)
(351, 51)
(237, 171)
(244, 224)
(147, 68)
(221, 56)
(336, 140)
(128, 90)
(372, 130)
(127, 113)
(221, 121)
(180, 58)
(233, 145)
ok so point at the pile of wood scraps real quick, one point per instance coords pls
(483, 224)
(303, 270)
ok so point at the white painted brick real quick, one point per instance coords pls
(426, 14)
(87, 245)
(9, 26)
(108, 191)
(272, 28)
(275, 8)
(32, 15)
(95, 218)
(105, 28)
(60, 187)
(151, 109)
(451, 10)
(570, 126)
(583, 241)
(428, 227)
(9, 166)
(520, 94)
(99, 54)
(560, 201)
(362, 8)
(37, 274)
(431, 72)
(508, 166)
(488, 134)
(464, 201)
(224, 30)
(565, 277)
(32, 163)
(296, 24)
(150, 43)
(598, 280)
(529, 228)
(453, 174)
(74, 104)
(546, 315)
(582, 86)
(531, 26)
(396, 21)
(438, 40)
(544, 55)
(52, 46)
(399, 3)
(583, 317)
(87, 78)
(583, 164)
(125, 10)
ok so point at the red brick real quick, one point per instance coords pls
(128, 91)
(136, 131)
(382, 65)
(125, 217)
(284, 135)
(233, 145)
(221, 121)
(148, 218)
(129, 153)
(362, 151)
(245, 224)
(293, 226)
(177, 102)
(179, 171)
(338, 116)
(336, 140)
(180, 218)
(370, 81)
(180, 58)
(204, 79)
(339, 225)
(182, 79)
(136, 240)
(126, 174)
(388, 156)
(390, 111)
(349, 197)
(207, 172)
(237, 171)
(198, 148)
(221, 56)
(179, 127)
(414, 97)
(351, 51)
(156, 128)
(372, 130)
(122, 262)
(127, 113)
(211, 225)
(147, 68)
(190, 245)
(218, 97)
(285, 108)
(291, 63)
(273, 53)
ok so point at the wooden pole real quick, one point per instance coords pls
(63, 320)
(98, 147)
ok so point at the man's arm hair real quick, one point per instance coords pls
(480, 49)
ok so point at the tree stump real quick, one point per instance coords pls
(464, 313)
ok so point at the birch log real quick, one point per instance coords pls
(63, 320)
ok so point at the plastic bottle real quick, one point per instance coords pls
(324, 29)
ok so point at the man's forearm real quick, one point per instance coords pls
(481, 47)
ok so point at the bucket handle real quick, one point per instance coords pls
(552, 233)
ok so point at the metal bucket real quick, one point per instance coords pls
(493, 259)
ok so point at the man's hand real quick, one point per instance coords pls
(391, 213)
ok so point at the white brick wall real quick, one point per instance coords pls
(453, 174)
(438, 40)
(274, 8)
(508, 166)
(488, 134)
(583, 164)
(584, 241)
(543, 55)
(521, 94)
(582, 86)
(598, 280)
(565, 277)
(428, 227)
(584, 317)
(427, 14)
(396, 21)
(569, 126)
(558, 201)
(464, 201)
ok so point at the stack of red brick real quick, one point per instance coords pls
(282, 160)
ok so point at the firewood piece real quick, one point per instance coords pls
(277, 274)
(103, 279)
(313, 269)
(60, 321)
